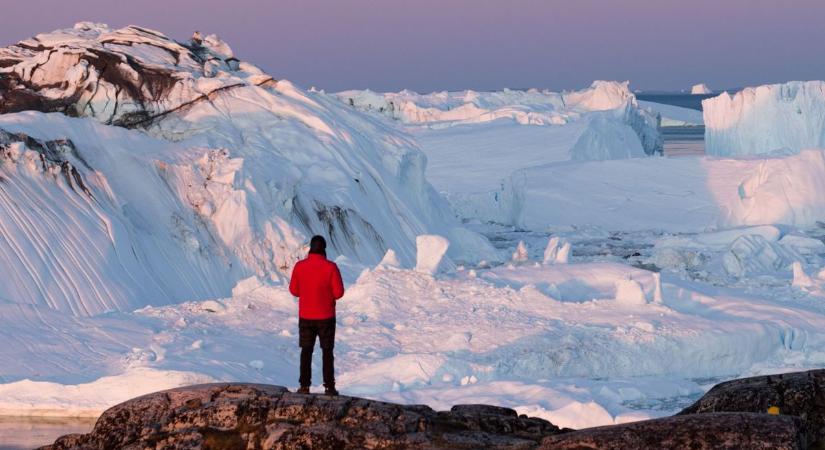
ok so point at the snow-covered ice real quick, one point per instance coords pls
(581, 344)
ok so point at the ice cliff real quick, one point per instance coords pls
(765, 120)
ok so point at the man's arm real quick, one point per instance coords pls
(337, 283)
(293, 282)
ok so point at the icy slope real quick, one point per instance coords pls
(229, 175)
(89, 222)
(776, 118)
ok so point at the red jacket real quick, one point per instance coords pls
(316, 281)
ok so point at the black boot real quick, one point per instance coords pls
(303, 390)
(330, 390)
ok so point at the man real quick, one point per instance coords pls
(317, 283)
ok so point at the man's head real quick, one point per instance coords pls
(318, 245)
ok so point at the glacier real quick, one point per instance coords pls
(775, 119)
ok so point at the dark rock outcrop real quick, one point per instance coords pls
(230, 416)
(126, 77)
(800, 394)
(715, 431)
(236, 415)
(56, 157)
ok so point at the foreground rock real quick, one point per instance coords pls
(236, 415)
(699, 431)
(800, 394)
(230, 416)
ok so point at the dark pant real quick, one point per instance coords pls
(325, 331)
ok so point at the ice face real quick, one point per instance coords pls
(772, 119)
(431, 250)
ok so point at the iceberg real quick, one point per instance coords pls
(700, 89)
(184, 170)
(776, 119)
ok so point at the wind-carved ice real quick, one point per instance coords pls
(430, 256)
(390, 260)
(557, 251)
(521, 254)
(629, 292)
(753, 254)
(800, 278)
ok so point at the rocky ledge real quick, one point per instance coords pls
(233, 416)
(732, 415)
(797, 394)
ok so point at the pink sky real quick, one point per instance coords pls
(482, 44)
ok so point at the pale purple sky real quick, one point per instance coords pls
(430, 45)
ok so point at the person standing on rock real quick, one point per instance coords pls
(316, 281)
